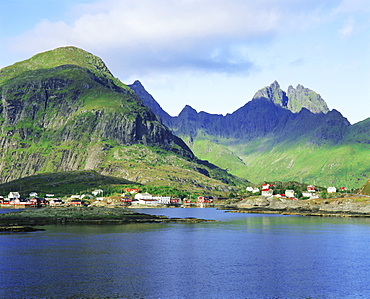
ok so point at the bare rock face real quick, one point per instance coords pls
(302, 97)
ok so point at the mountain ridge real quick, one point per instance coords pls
(63, 110)
(266, 127)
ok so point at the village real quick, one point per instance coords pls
(132, 197)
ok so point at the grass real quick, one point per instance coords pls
(340, 165)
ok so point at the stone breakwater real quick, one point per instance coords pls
(84, 215)
(346, 207)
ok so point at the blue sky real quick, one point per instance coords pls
(210, 54)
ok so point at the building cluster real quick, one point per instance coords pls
(267, 190)
(33, 200)
(132, 196)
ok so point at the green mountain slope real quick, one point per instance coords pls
(62, 110)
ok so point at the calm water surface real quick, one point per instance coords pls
(241, 256)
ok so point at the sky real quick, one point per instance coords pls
(213, 55)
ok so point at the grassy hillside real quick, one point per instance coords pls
(340, 165)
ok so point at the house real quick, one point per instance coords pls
(175, 201)
(253, 190)
(163, 199)
(311, 188)
(267, 192)
(49, 195)
(342, 189)
(265, 186)
(331, 190)
(144, 201)
(126, 200)
(205, 199)
(55, 202)
(33, 194)
(97, 192)
(289, 193)
(143, 196)
(307, 194)
(76, 202)
(14, 195)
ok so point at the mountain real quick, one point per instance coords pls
(63, 110)
(279, 136)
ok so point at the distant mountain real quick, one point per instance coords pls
(279, 136)
(295, 99)
(63, 110)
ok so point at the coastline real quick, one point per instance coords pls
(84, 215)
(338, 207)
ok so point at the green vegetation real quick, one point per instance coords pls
(258, 160)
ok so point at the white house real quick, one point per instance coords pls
(331, 190)
(267, 192)
(163, 200)
(249, 189)
(96, 192)
(33, 194)
(143, 201)
(14, 195)
(307, 193)
(289, 193)
(143, 196)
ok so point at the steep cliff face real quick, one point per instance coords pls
(63, 110)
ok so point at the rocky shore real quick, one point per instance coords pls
(342, 207)
(83, 215)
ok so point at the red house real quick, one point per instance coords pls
(205, 199)
(126, 200)
(175, 201)
(311, 188)
(76, 202)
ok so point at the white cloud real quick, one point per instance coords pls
(183, 34)
(348, 28)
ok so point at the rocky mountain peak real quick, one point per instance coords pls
(273, 93)
(302, 97)
(294, 99)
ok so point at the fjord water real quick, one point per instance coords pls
(240, 256)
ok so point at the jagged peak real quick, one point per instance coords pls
(188, 111)
(138, 83)
(273, 93)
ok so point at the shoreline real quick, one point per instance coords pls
(343, 207)
(84, 215)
